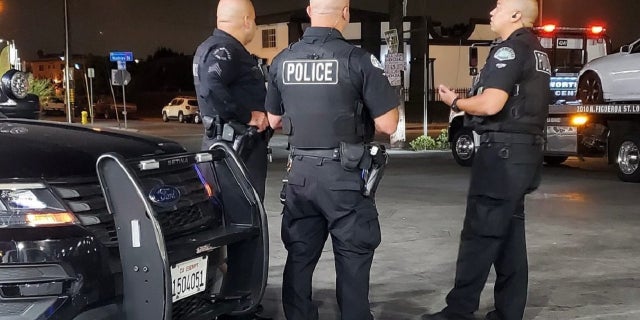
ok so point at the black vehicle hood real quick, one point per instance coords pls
(52, 150)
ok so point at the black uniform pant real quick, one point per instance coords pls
(255, 160)
(494, 232)
(321, 199)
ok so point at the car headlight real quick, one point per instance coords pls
(31, 205)
(15, 84)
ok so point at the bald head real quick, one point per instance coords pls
(237, 17)
(528, 9)
(329, 13)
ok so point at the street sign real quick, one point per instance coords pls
(391, 37)
(120, 56)
(393, 66)
(120, 77)
(122, 65)
(91, 72)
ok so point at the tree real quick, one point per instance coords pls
(43, 88)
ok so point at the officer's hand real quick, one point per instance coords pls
(446, 95)
(259, 120)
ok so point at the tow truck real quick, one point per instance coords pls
(573, 128)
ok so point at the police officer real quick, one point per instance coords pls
(313, 95)
(509, 111)
(230, 85)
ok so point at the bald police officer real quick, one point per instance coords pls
(230, 85)
(313, 95)
(509, 110)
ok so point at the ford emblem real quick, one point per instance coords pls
(164, 196)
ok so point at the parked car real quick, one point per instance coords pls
(612, 78)
(106, 108)
(182, 109)
(54, 104)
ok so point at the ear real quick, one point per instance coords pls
(346, 14)
(309, 11)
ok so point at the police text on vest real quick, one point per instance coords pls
(310, 72)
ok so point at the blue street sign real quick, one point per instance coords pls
(120, 56)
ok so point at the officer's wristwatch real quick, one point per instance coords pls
(454, 105)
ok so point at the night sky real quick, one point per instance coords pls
(142, 26)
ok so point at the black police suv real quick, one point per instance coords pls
(59, 245)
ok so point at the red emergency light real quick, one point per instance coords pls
(597, 29)
(549, 28)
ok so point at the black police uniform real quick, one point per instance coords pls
(315, 85)
(229, 85)
(506, 168)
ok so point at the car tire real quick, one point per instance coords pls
(555, 160)
(463, 147)
(197, 119)
(165, 118)
(628, 161)
(180, 117)
(590, 89)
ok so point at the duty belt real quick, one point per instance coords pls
(507, 137)
(333, 154)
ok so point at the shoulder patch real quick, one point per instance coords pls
(504, 54)
(542, 62)
(376, 63)
(222, 54)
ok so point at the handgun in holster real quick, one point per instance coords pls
(240, 136)
(371, 158)
(373, 176)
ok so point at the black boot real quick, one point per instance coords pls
(442, 315)
(434, 316)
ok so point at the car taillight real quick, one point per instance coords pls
(31, 205)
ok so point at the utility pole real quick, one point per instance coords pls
(397, 11)
(67, 83)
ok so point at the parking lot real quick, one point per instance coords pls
(581, 228)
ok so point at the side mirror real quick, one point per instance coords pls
(473, 61)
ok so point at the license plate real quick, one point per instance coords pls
(188, 278)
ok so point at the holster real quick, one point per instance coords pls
(212, 127)
(241, 137)
(373, 176)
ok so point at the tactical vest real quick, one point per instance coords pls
(525, 111)
(320, 100)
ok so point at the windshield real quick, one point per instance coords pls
(566, 61)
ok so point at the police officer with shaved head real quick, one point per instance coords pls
(329, 97)
(509, 111)
(230, 85)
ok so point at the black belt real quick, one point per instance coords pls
(333, 154)
(507, 137)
